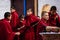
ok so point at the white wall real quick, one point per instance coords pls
(50, 2)
(4, 7)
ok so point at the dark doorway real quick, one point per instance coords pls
(30, 4)
(19, 5)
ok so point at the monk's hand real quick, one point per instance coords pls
(52, 28)
(21, 27)
(17, 33)
(56, 17)
(48, 28)
(18, 28)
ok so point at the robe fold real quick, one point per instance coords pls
(20, 25)
(21, 29)
(6, 31)
(54, 19)
(32, 33)
(14, 20)
(46, 22)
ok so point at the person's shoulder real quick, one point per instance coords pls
(4, 21)
(42, 20)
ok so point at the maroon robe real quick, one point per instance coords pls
(14, 20)
(6, 31)
(53, 20)
(46, 23)
(43, 23)
(33, 33)
(22, 29)
(40, 28)
(20, 25)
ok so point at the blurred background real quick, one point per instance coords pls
(22, 5)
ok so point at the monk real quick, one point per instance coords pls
(33, 22)
(6, 32)
(35, 26)
(54, 17)
(45, 18)
(21, 26)
(14, 19)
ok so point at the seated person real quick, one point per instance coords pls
(45, 18)
(21, 26)
(54, 17)
(46, 22)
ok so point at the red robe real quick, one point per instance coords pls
(6, 31)
(46, 23)
(40, 28)
(43, 23)
(14, 20)
(32, 33)
(22, 29)
(53, 20)
(20, 25)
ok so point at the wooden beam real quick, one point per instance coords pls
(36, 7)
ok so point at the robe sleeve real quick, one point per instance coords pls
(20, 25)
(41, 27)
(58, 21)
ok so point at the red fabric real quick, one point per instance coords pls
(30, 34)
(42, 24)
(20, 24)
(46, 23)
(53, 20)
(32, 18)
(40, 28)
(6, 31)
(14, 20)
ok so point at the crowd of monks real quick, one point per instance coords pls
(14, 27)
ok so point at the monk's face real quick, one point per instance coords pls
(13, 10)
(29, 12)
(9, 17)
(22, 18)
(46, 16)
(53, 12)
